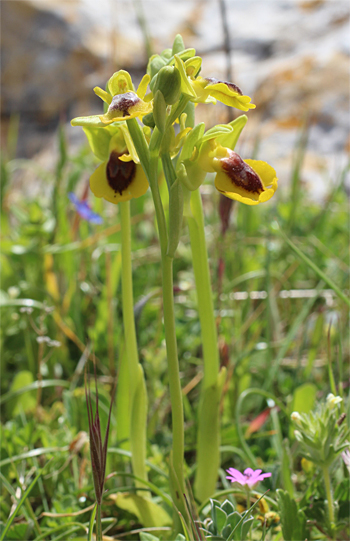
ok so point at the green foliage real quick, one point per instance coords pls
(226, 523)
(293, 520)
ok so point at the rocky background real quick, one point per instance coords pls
(291, 56)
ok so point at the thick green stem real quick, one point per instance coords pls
(204, 291)
(137, 389)
(327, 482)
(98, 523)
(208, 435)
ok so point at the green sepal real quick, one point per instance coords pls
(192, 139)
(189, 172)
(184, 55)
(159, 111)
(93, 121)
(190, 112)
(99, 139)
(186, 86)
(191, 175)
(229, 140)
(176, 204)
(217, 131)
(166, 54)
(178, 45)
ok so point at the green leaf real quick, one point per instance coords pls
(304, 398)
(26, 401)
(292, 521)
(91, 523)
(316, 269)
(17, 531)
(144, 536)
(19, 505)
(221, 519)
(147, 512)
(233, 519)
(228, 507)
(246, 527)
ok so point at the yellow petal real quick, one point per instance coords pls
(105, 96)
(142, 88)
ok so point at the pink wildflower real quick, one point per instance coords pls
(249, 477)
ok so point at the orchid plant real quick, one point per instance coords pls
(140, 136)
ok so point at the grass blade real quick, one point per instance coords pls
(91, 523)
(19, 505)
(316, 269)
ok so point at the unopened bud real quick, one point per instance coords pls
(148, 120)
(296, 417)
(168, 81)
(154, 65)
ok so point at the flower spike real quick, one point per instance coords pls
(98, 451)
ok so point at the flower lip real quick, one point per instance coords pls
(241, 174)
(119, 174)
(231, 86)
(123, 102)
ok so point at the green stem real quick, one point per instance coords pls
(173, 367)
(98, 523)
(327, 482)
(204, 292)
(149, 158)
(170, 337)
(127, 291)
(138, 409)
(208, 435)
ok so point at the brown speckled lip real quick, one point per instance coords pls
(123, 102)
(231, 86)
(119, 174)
(241, 174)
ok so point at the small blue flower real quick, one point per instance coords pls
(84, 210)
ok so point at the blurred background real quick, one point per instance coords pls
(290, 56)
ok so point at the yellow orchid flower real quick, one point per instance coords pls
(120, 176)
(209, 89)
(118, 180)
(248, 181)
(122, 100)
